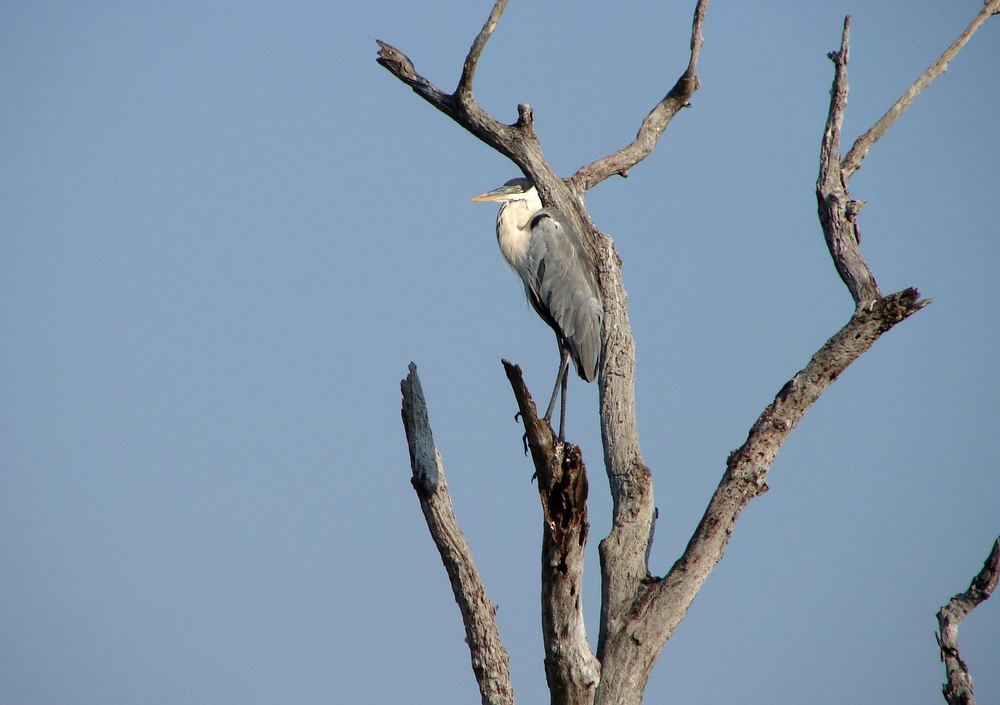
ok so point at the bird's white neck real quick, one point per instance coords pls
(513, 233)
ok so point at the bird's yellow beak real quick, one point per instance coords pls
(496, 194)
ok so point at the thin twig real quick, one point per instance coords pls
(830, 149)
(464, 90)
(958, 689)
(697, 35)
(852, 162)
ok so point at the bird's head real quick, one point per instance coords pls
(514, 190)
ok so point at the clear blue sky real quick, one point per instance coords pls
(225, 231)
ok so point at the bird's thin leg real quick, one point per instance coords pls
(563, 365)
(562, 409)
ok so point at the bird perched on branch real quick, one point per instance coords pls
(559, 279)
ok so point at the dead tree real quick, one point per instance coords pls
(639, 610)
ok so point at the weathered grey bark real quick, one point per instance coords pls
(639, 612)
(958, 689)
(837, 212)
(490, 661)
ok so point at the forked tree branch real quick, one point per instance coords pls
(838, 212)
(958, 689)
(490, 661)
(517, 142)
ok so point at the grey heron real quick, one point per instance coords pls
(559, 280)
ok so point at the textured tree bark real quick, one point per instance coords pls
(640, 612)
(571, 669)
(958, 688)
(664, 602)
(837, 212)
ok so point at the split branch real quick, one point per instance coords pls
(460, 106)
(490, 661)
(838, 212)
(571, 669)
(958, 689)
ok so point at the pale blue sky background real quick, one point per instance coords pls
(225, 231)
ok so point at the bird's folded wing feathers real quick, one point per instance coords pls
(563, 290)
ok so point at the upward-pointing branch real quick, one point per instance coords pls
(852, 162)
(837, 212)
(464, 90)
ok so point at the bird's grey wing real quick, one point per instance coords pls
(562, 289)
